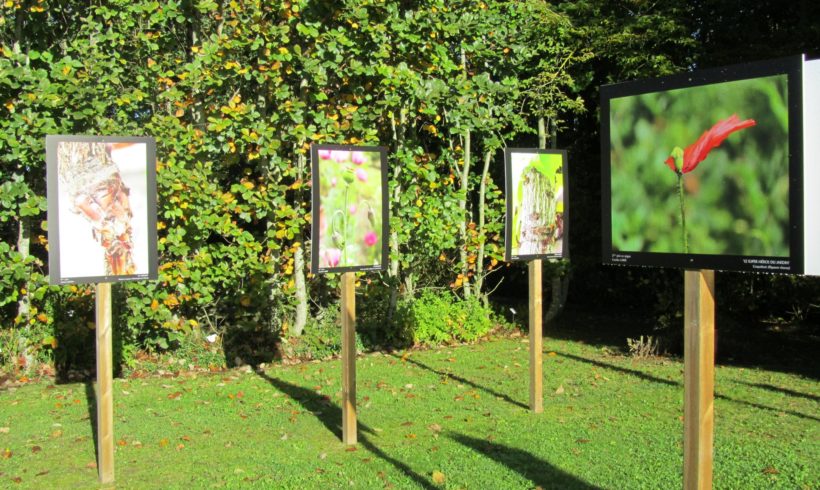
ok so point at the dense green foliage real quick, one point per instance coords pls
(459, 414)
(235, 92)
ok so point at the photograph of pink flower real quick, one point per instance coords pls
(102, 209)
(350, 199)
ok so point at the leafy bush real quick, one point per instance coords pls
(441, 317)
(322, 337)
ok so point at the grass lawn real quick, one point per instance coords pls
(445, 418)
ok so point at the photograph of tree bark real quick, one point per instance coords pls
(535, 204)
(102, 210)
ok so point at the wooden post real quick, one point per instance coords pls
(698, 379)
(105, 381)
(349, 358)
(536, 339)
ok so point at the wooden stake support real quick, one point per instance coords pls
(349, 358)
(536, 338)
(699, 379)
(105, 381)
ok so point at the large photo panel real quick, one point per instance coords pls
(704, 170)
(536, 224)
(101, 208)
(350, 216)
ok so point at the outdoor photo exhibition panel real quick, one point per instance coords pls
(102, 209)
(350, 221)
(706, 170)
(536, 194)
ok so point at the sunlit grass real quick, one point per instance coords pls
(453, 417)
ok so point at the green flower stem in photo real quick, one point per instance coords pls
(677, 158)
(683, 213)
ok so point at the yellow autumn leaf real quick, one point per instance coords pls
(438, 477)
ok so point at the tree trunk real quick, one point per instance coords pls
(24, 305)
(393, 267)
(559, 282)
(301, 291)
(462, 227)
(479, 261)
(299, 265)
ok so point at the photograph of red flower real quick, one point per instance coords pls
(702, 169)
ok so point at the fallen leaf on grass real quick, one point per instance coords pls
(407, 424)
(410, 436)
(17, 479)
(4, 430)
(44, 472)
(560, 390)
(551, 354)
(164, 442)
(582, 441)
(174, 395)
(7, 453)
(92, 465)
(36, 449)
(438, 477)
(350, 449)
(122, 442)
(770, 470)
(435, 427)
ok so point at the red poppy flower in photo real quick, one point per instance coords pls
(697, 151)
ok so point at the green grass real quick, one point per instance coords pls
(608, 422)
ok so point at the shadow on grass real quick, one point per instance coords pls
(655, 379)
(91, 403)
(785, 391)
(465, 381)
(541, 473)
(330, 415)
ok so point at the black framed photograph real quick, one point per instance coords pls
(704, 170)
(536, 197)
(102, 208)
(350, 211)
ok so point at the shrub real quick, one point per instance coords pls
(322, 337)
(440, 317)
